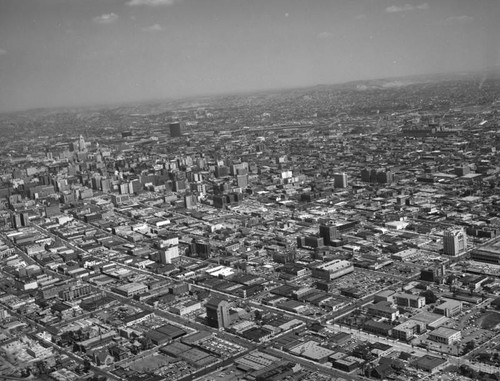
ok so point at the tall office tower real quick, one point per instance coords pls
(106, 185)
(203, 249)
(124, 188)
(20, 220)
(16, 221)
(25, 219)
(175, 130)
(454, 241)
(329, 233)
(169, 248)
(365, 175)
(239, 169)
(82, 147)
(340, 180)
(385, 176)
(218, 313)
(168, 254)
(242, 181)
(189, 201)
(221, 171)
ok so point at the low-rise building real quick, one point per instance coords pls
(383, 310)
(332, 270)
(409, 300)
(130, 289)
(407, 330)
(431, 320)
(186, 308)
(449, 308)
(377, 327)
(312, 351)
(445, 335)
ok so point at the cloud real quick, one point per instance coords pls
(107, 18)
(406, 8)
(152, 3)
(3, 52)
(324, 35)
(423, 6)
(360, 17)
(454, 20)
(153, 28)
(397, 8)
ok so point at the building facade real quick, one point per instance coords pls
(454, 242)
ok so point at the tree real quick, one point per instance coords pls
(469, 346)
(147, 343)
(467, 371)
(86, 365)
(430, 297)
(41, 367)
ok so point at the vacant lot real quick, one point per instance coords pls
(149, 363)
(489, 320)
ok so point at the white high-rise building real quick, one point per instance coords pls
(454, 241)
(169, 248)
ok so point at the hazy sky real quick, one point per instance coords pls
(72, 52)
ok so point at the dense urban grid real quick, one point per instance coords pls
(338, 232)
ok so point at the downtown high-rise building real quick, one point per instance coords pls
(175, 130)
(340, 180)
(218, 313)
(454, 241)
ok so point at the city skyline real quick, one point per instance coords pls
(68, 53)
(221, 237)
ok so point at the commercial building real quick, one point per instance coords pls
(168, 254)
(218, 313)
(169, 248)
(383, 310)
(454, 241)
(75, 292)
(445, 335)
(313, 241)
(130, 289)
(329, 233)
(340, 180)
(175, 130)
(409, 300)
(407, 330)
(433, 274)
(332, 270)
(242, 181)
(381, 175)
(431, 320)
(186, 308)
(489, 253)
(378, 327)
(429, 363)
(347, 364)
(312, 351)
(386, 296)
(449, 308)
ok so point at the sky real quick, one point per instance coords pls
(88, 52)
